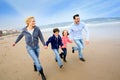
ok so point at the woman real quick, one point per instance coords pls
(32, 33)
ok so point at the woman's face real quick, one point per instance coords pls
(32, 22)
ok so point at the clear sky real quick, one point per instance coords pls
(14, 12)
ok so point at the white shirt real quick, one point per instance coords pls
(31, 31)
(76, 31)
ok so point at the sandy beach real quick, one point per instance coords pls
(102, 58)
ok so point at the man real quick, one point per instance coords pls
(76, 34)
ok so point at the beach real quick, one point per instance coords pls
(102, 57)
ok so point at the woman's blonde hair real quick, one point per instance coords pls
(28, 19)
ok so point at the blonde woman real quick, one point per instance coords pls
(32, 35)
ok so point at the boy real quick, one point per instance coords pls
(56, 42)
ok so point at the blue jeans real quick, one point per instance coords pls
(80, 46)
(64, 52)
(34, 53)
(57, 57)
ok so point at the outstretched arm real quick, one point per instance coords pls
(70, 41)
(18, 38)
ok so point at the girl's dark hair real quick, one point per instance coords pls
(63, 32)
(76, 15)
(56, 30)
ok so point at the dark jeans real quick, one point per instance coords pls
(64, 52)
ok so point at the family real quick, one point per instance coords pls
(32, 35)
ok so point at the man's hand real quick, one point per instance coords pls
(87, 42)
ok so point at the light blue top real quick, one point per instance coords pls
(76, 30)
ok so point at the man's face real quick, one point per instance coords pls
(77, 20)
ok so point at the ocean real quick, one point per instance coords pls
(65, 25)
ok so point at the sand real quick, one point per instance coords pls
(102, 58)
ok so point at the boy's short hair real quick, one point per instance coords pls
(76, 15)
(56, 30)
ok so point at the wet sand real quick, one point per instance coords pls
(102, 58)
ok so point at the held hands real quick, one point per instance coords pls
(60, 46)
(45, 47)
(13, 44)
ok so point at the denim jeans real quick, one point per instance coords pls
(64, 52)
(34, 53)
(57, 57)
(80, 46)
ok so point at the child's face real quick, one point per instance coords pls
(56, 34)
(65, 33)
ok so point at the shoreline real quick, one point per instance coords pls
(49, 30)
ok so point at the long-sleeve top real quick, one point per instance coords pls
(31, 39)
(55, 42)
(76, 31)
(65, 40)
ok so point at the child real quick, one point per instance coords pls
(65, 39)
(56, 42)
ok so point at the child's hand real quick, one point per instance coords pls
(63, 46)
(45, 47)
(13, 44)
(60, 46)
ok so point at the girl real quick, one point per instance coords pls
(65, 40)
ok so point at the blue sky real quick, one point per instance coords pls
(14, 12)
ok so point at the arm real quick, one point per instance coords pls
(70, 33)
(18, 38)
(41, 37)
(47, 43)
(60, 42)
(68, 40)
(87, 34)
(49, 40)
(63, 42)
